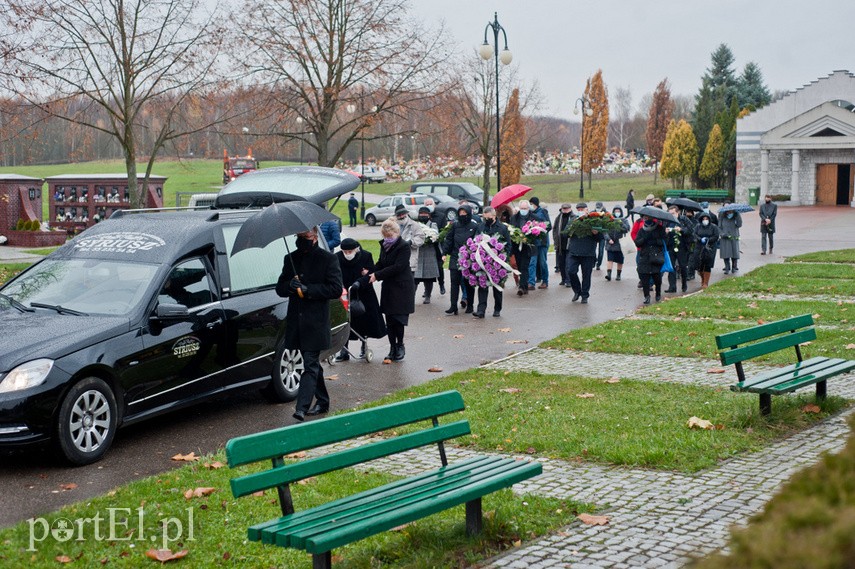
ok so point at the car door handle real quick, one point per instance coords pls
(214, 323)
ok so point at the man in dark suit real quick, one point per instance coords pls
(310, 278)
(352, 206)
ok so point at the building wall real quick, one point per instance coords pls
(781, 171)
(12, 208)
(747, 174)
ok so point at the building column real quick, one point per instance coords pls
(795, 198)
(764, 174)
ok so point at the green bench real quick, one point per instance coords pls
(320, 529)
(699, 195)
(737, 347)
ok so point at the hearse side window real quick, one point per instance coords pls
(255, 268)
(189, 284)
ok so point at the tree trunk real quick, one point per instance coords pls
(655, 171)
(486, 181)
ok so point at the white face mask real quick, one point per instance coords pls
(523, 212)
(705, 222)
(351, 255)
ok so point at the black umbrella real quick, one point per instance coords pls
(737, 207)
(655, 213)
(277, 221)
(686, 203)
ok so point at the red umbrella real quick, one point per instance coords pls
(509, 194)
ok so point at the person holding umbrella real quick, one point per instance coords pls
(729, 222)
(397, 295)
(706, 239)
(650, 241)
(310, 278)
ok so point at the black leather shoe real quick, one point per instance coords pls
(442, 289)
(478, 315)
(399, 353)
(497, 313)
(658, 298)
(585, 300)
(318, 410)
(576, 297)
(451, 310)
(469, 310)
(299, 415)
(671, 290)
(646, 300)
(392, 353)
(462, 304)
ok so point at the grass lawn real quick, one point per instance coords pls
(9, 270)
(220, 522)
(837, 256)
(631, 423)
(792, 278)
(751, 311)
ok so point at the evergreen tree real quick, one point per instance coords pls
(712, 166)
(720, 72)
(680, 154)
(726, 121)
(750, 89)
(718, 90)
(513, 141)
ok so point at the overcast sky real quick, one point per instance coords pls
(637, 43)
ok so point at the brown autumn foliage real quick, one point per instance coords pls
(513, 141)
(595, 129)
(661, 111)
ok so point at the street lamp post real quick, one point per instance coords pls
(486, 53)
(586, 110)
(300, 126)
(351, 108)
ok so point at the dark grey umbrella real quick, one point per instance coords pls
(737, 207)
(655, 213)
(277, 221)
(686, 203)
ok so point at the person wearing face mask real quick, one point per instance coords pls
(650, 241)
(397, 295)
(492, 228)
(522, 251)
(356, 264)
(462, 229)
(411, 232)
(729, 223)
(427, 269)
(538, 268)
(614, 252)
(564, 217)
(310, 278)
(582, 254)
(768, 213)
(439, 220)
(706, 240)
(678, 238)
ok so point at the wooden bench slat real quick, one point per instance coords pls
(802, 381)
(782, 374)
(295, 535)
(740, 337)
(268, 529)
(289, 473)
(338, 537)
(295, 438)
(767, 346)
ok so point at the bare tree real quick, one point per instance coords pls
(622, 117)
(324, 58)
(130, 61)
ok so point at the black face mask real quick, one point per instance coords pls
(424, 218)
(489, 221)
(304, 244)
(463, 218)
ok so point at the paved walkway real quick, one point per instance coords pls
(657, 518)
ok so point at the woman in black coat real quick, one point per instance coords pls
(706, 240)
(356, 265)
(650, 241)
(397, 296)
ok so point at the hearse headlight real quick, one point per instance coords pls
(26, 375)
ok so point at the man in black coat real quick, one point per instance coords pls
(462, 229)
(582, 253)
(492, 228)
(440, 220)
(562, 241)
(310, 278)
(352, 206)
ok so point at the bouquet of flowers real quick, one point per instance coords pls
(443, 232)
(431, 234)
(532, 230)
(601, 221)
(483, 260)
(517, 236)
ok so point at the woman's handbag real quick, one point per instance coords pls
(667, 266)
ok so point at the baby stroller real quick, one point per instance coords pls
(365, 320)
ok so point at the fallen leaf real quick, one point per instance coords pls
(332, 377)
(510, 390)
(585, 395)
(698, 423)
(760, 321)
(752, 305)
(850, 346)
(811, 408)
(590, 520)
(164, 555)
(213, 465)
(612, 380)
(457, 336)
(518, 543)
(190, 457)
(258, 494)
(199, 492)
(716, 370)
(306, 481)
(530, 450)
(401, 527)
(504, 329)
(227, 556)
(434, 369)
(63, 558)
(517, 342)
(69, 486)
(301, 454)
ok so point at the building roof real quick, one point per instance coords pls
(18, 178)
(101, 177)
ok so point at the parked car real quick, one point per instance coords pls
(456, 190)
(386, 208)
(372, 174)
(142, 314)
